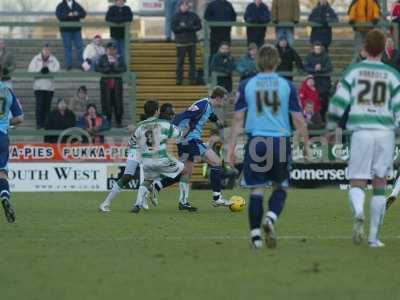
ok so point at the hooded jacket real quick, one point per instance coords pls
(364, 11)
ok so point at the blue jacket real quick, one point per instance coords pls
(257, 14)
(246, 67)
(322, 14)
(62, 12)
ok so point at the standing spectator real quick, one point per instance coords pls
(71, 11)
(309, 93)
(223, 63)
(92, 53)
(60, 118)
(391, 55)
(318, 64)
(79, 102)
(185, 24)
(119, 13)
(246, 66)
(285, 11)
(112, 88)
(289, 56)
(396, 16)
(170, 9)
(323, 14)
(7, 61)
(221, 11)
(44, 63)
(93, 123)
(361, 11)
(257, 13)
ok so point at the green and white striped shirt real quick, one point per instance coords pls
(372, 91)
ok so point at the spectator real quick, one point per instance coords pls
(170, 9)
(361, 11)
(313, 118)
(92, 53)
(362, 55)
(71, 11)
(308, 93)
(257, 13)
(396, 16)
(391, 55)
(94, 124)
(285, 11)
(185, 24)
(223, 63)
(119, 13)
(323, 14)
(246, 66)
(79, 102)
(44, 63)
(60, 118)
(112, 88)
(289, 56)
(221, 11)
(7, 61)
(318, 64)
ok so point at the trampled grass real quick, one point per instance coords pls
(62, 248)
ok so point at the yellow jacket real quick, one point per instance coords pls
(364, 11)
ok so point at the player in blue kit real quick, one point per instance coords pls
(267, 102)
(10, 115)
(191, 148)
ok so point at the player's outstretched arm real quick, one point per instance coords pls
(300, 125)
(236, 130)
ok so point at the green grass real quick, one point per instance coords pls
(62, 248)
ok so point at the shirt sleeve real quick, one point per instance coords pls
(193, 112)
(294, 104)
(241, 104)
(15, 108)
(338, 104)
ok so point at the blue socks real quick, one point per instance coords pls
(4, 188)
(215, 179)
(276, 204)
(256, 211)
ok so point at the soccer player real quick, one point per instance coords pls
(266, 101)
(152, 136)
(370, 89)
(10, 115)
(191, 148)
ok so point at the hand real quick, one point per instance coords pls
(71, 14)
(318, 67)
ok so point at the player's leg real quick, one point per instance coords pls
(256, 213)
(186, 155)
(394, 194)
(142, 195)
(377, 211)
(4, 185)
(357, 200)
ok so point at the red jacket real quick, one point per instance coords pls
(308, 93)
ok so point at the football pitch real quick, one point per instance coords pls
(62, 248)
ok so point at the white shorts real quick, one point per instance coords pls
(155, 167)
(131, 163)
(371, 154)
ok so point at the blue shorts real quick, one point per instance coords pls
(4, 151)
(191, 149)
(267, 160)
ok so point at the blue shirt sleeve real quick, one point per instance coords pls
(15, 108)
(294, 105)
(241, 104)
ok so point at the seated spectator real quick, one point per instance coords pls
(308, 93)
(223, 63)
(112, 89)
(7, 61)
(44, 63)
(288, 56)
(94, 124)
(60, 118)
(312, 117)
(246, 65)
(92, 53)
(323, 14)
(318, 63)
(257, 13)
(362, 55)
(79, 102)
(391, 55)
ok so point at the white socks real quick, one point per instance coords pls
(357, 199)
(114, 192)
(183, 192)
(378, 205)
(396, 188)
(141, 199)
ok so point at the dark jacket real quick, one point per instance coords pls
(57, 121)
(220, 10)
(323, 83)
(62, 12)
(246, 67)
(116, 14)
(105, 67)
(322, 14)
(289, 56)
(223, 63)
(393, 59)
(185, 26)
(257, 14)
(7, 61)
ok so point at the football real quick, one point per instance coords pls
(238, 204)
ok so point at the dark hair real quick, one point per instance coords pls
(91, 105)
(167, 111)
(375, 42)
(151, 107)
(82, 88)
(218, 91)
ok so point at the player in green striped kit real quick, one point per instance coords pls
(371, 92)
